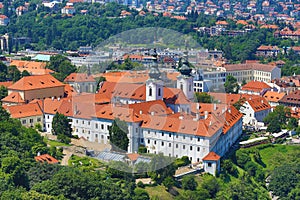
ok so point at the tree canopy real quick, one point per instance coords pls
(231, 85)
(118, 135)
(61, 127)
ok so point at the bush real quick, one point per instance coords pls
(242, 158)
(140, 184)
(183, 161)
(142, 149)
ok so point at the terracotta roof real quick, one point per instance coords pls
(13, 97)
(112, 112)
(3, 17)
(259, 104)
(232, 116)
(175, 96)
(255, 86)
(291, 98)
(133, 156)
(205, 127)
(221, 23)
(46, 158)
(36, 82)
(69, 91)
(6, 83)
(249, 66)
(79, 77)
(267, 48)
(273, 96)
(243, 22)
(230, 99)
(151, 107)
(212, 156)
(26, 110)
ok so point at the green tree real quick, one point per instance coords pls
(3, 92)
(61, 127)
(203, 97)
(292, 124)
(169, 182)
(189, 183)
(118, 135)
(231, 85)
(4, 115)
(211, 184)
(141, 194)
(13, 73)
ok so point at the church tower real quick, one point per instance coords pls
(185, 79)
(154, 86)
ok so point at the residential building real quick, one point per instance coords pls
(253, 71)
(32, 67)
(273, 97)
(255, 87)
(68, 9)
(28, 114)
(255, 110)
(81, 82)
(37, 87)
(267, 51)
(46, 158)
(211, 163)
(292, 99)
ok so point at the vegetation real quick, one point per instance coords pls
(62, 128)
(231, 85)
(203, 97)
(277, 119)
(118, 135)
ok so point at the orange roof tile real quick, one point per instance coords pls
(151, 107)
(272, 96)
(232, 116)
(249, 66)
(259, 104)
(133, 156)
(46, 158)
(255, 86)
(212, 156)
(36, 82)
(13, 97)
(26, 110)
(6, 83)
(79, 77)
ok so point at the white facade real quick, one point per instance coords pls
(185, 83)
(250, 116)
(154, 90)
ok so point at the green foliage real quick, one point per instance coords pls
(203, 97)
(242, 158)
(277, 119)
(183, 161)
(62, 128)
(292, 123)
(284, 179)
(168, 182)
(231, 85)
(141, 194)
(211, 184)
(142, 149)
(118, 135)
(189, 183)
(62, 67)
(228, 167)
(3, 92)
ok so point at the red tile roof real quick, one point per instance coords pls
(6, 83)
(232, 116)
(249, 66)
(46, 158)
(13, 97)
(212, 156)
(273, 96)
(133, 156)
(36, 82)
(255, 86)
(259, 104)
(26, 110)
(79, 77)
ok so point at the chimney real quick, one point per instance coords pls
(215, 106)
(181, 117)
(38, 153)
(198, 106)
(141, 112)
(229, 110)
(152, 113)
(205, 114)
(52, 98)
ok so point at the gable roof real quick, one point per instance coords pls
(36, 82)
(26, 110)
(6, 83)
(212, 156)
(157, 107)
(46, 158)
(79, 77)
(291, 98)
(232, 116)
(250, 66)
(272, 96)
(255, 86)
(259, 104)
(13, 97)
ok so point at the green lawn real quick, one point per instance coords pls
(85, 162)
(279, 154)
(55, 143)
(158, 192)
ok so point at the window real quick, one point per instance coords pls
(102, 137)
(170, 135)
(30, 120)
(48, 117)
(89, 123)
(181, 86)
(190, 87)
(38, 119)
(102, 126)
(176, 136)
(183, 137)
(142, 140)
(198, 139)
(77, 121)
(176, 146)
(162, 134)
(24, 121)
(96, 135)
(162, 143)
(209, 164)
(191, 148)
(108, 137)
(148, 132)
(107, 127)
(159, 92)
(198, 148)
(82, 121)
(183, 146)
(191, 138)
(150, 91)
(96, 126)
(154, 141)
(148, 141)
(170, 144)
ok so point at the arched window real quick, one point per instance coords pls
(150, 91)
(159, 92)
